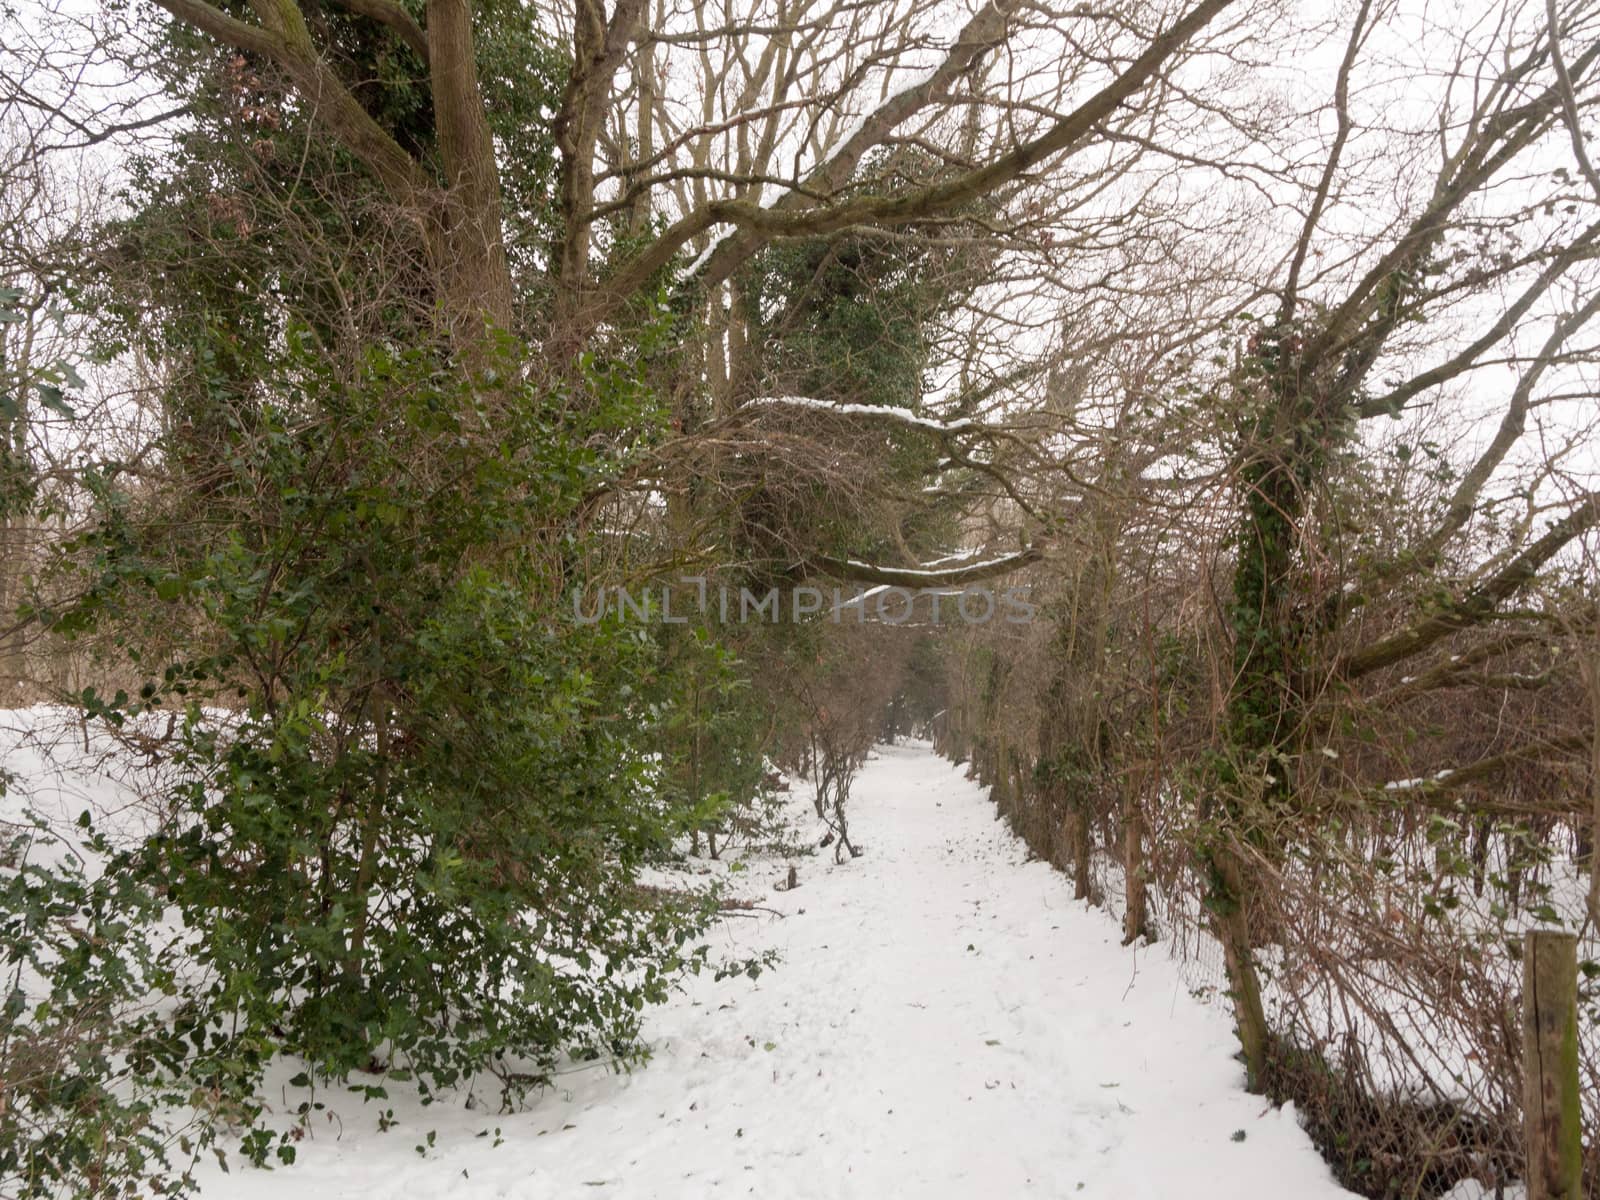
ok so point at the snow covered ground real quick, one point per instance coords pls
(947, 1022)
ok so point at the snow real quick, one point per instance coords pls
(930, 570)
(947, 1022)
(865, 410)
(693, 269)
(1469, 1189)
(849, 130)
(1408, 785)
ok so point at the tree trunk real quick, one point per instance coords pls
(476, 280)
(1594, 780)
(1082, 848)
(1003, 799)
(1134, 925)
(1230, 916)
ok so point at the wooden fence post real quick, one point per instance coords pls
(1551, 1107)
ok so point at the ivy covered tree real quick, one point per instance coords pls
(409, 804)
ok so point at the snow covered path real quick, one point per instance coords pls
(947, 1022)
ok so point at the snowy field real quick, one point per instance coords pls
(946, 1022)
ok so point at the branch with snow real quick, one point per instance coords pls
(693, 269)
(927, 575)
(878, 411)
(1441, 789)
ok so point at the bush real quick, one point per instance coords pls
(414, 800)
(75, 1113)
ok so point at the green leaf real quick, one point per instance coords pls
(51, 397)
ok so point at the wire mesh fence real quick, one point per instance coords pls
(1388, 952)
